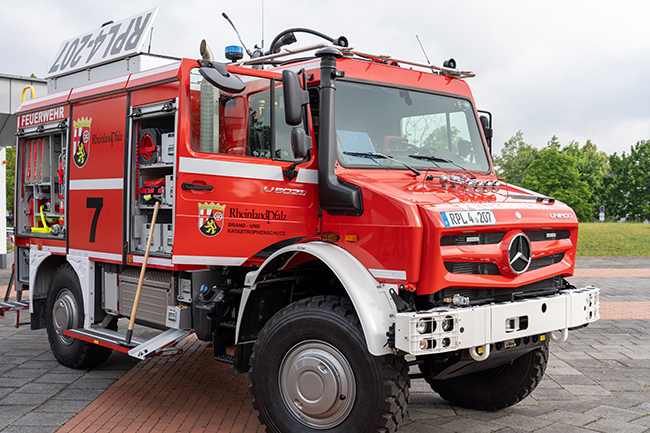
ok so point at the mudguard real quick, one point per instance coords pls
(371, 299)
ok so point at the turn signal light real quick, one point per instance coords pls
(330, 237)
(352, 238)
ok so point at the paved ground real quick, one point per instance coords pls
(599, 380)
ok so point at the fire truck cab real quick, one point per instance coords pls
(337, 218)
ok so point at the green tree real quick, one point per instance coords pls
(592, 166)
(439, 139)
(554, 173)
(516, 156)
(11, 175)
(627, 187)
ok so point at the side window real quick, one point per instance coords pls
(250, 123)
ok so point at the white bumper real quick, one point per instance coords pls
(482, 325)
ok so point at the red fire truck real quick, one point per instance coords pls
(333, 216)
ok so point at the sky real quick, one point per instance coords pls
(570, 68)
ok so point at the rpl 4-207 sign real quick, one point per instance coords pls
(111, 41)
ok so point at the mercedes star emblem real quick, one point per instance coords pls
(519, 253)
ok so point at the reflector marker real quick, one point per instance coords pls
(241, 170)
(388, 274)
(96, 184)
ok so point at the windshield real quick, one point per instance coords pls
(420, 129)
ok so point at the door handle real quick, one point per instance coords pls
(193, 186)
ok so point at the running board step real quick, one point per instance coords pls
(226, 359)
(16, 306)
(13, 306)
(138, 348)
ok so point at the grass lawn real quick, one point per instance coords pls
(614, 239)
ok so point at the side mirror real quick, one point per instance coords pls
(300, 143)
(301, 147)
(294, 98)
(486, 123)
(217, 74)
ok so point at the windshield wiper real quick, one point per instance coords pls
(381, 156)
(435, 159)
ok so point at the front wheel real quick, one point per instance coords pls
(311, 371)
(498, 387)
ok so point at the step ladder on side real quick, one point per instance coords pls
(137, 347)
(18, 305)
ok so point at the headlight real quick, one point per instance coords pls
(423, 326)
(448, 324)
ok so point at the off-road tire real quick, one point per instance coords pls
(64, 294)
(329, 323)
(498, 387)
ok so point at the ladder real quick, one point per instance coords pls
(137, 347)
(17, 305)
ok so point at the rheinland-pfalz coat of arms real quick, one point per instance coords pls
(211, 218)
(81, 140)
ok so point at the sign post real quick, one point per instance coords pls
(602, 214)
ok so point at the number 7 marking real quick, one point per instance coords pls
(96, 203)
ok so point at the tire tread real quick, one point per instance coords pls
(532, 380)
(394, 372)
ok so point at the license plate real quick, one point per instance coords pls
(468, 218)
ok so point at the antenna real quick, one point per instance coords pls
(425, 53)
(235, 29)
(150, 38)
(262, 48)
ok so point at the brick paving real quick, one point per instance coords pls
(191, 392)
(596, 381)
(625, 310)
(608, 272)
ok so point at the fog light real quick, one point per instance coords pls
(423, 326)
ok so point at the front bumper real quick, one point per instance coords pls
(442, 330)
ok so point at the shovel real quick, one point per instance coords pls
(136, 301)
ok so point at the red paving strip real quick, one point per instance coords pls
(607, 272)
(185, 393)
(625, 310)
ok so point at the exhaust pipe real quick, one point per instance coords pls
(206, 52)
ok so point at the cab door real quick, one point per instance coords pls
(234, 203)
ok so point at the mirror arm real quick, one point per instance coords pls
(291, 172)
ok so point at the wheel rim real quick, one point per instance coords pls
(317, 384)
(65, 315)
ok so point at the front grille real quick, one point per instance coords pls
(548, 235)
(472, 239)
(542, 262)
(472, 268)
(496, 237)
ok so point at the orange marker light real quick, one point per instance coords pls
(330, 237)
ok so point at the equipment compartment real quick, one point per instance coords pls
(41, 183)
(152, 153)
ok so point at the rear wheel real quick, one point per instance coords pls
(65, 311)
(311, 371)
(498, 387)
